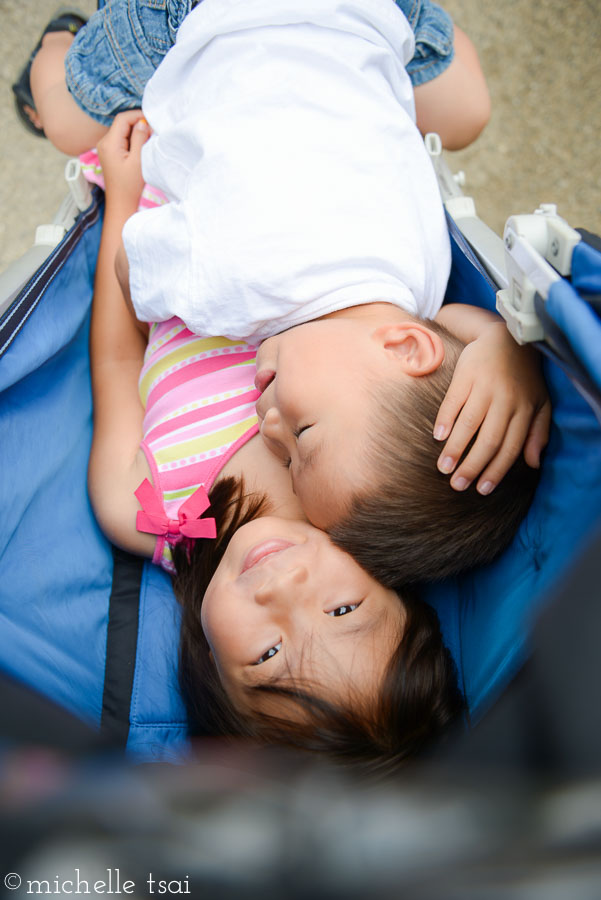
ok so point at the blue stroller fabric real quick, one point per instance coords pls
(574, 306)
(73, 612)
(97, 630)
(485, 614)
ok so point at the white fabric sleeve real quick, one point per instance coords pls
(157, 243)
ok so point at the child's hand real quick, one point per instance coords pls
(119, 153)
(498, 391)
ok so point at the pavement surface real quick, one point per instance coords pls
(542, 61)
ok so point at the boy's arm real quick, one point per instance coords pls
(497, 394)
(117, 351)
(466, 322)
(455, 104)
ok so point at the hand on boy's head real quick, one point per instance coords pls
(119, 152)
(498, 393)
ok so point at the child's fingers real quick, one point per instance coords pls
(117, 137)
(494, 441)
(139, 135)
(494, 444)
(454, 400)
(124, 121)
(538, 435)
(468, 422)
(508, 453)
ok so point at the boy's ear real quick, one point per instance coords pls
(418, 349)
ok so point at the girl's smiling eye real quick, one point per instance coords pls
(343, 610)
(268, 655)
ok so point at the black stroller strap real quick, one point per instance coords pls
(32, 292)
(121, 645)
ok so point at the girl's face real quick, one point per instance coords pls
(286, 604)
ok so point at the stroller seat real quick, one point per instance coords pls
(96, 630)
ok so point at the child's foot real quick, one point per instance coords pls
(64, 20)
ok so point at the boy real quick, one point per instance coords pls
(70, 90)
(348, 403)
(301, 190)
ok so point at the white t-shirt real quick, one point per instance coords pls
(284, 137)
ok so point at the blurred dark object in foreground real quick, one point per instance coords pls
(511, 809)
(548, 723)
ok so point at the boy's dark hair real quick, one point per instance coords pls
(419, 699)
(410, 525)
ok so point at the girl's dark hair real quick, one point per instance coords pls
(418, 699)
(418, 527)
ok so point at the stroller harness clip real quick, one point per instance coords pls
(537, 248)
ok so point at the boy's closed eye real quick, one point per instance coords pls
(297, 432)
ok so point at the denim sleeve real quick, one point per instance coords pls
(433, 29)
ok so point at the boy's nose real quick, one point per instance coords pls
(272, 426)
(283, 588)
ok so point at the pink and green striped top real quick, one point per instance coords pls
(199, 396)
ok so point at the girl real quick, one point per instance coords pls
(284, 636)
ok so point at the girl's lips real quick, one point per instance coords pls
(263, 379)
(262, 551)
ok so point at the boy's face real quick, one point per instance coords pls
(315, 411)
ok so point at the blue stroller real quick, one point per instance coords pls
(96, 631)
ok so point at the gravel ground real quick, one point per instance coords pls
(542, 144)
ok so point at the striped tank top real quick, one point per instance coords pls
(199, 398)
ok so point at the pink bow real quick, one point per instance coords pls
(153, 519)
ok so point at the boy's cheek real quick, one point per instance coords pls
(274, 447)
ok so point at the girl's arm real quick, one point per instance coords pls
(455, 104)
(497, 393)
(117, 347)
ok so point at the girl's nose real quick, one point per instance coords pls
(283, 588)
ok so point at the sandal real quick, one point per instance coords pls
(64, 19)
